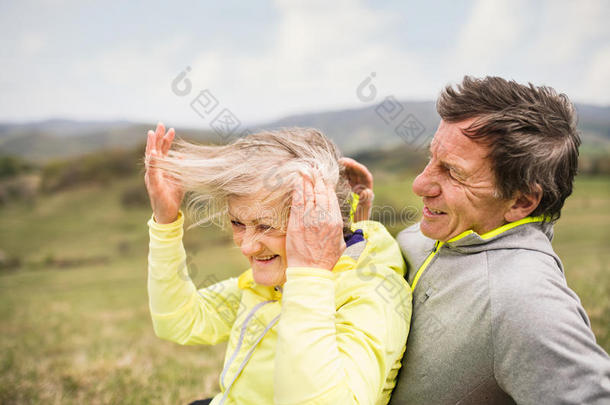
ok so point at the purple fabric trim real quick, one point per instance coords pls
(354, 238)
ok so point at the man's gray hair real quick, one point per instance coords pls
(530, 131)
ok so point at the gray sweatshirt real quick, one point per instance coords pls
(494, 322)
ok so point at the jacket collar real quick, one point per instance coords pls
(470, 237)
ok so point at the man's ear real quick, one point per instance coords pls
(523, 204)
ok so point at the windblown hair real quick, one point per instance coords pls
(264, 166)
(530, 131)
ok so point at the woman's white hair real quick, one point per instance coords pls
(264, 166)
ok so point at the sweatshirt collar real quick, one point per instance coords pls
(470, 237)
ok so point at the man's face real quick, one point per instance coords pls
(458, 186)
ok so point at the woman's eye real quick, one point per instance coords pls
(263, 227)
(236, 223)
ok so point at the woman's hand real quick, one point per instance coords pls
(314, 237)
(361, 181)
(165, 195)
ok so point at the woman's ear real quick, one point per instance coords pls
(523, 204)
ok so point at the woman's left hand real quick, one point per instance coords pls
(315, 228)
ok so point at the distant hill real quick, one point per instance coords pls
(362, 129)
(60, 127)
(381, 126)
(57, 139)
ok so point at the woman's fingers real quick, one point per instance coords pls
(320, 191)
(304, 209)
(165, 196)
(308, 197)
(150, 139)
(150, 154)
(155, 145)
(333, 201)
(158, 141)
(314, 237)
(297, 207)
(159, 136)
(297, 195)
(167, 140)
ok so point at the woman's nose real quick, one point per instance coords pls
(426, 183)
(250, 244)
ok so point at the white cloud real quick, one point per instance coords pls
(322, 51)
(597, 78)
(129, 81)
(568, 28)
(558, 43)
(31, 43)
(132, 63)
(493, 31)
(318, 54)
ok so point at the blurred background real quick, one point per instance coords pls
(82, 81)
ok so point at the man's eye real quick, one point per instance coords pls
(263, 227)
(236, 223)
(454, 175)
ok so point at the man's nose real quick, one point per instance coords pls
(426, 183)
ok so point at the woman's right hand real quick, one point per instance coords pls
(165, 195)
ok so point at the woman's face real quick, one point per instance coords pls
(256, 232)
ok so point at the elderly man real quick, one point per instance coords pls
(493, 319)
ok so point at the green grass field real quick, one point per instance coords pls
(74, 321)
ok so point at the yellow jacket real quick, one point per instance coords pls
(324, 338)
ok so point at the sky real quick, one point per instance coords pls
(263, 60)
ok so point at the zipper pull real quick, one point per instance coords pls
(426, 295)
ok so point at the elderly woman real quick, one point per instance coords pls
(322, 315)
